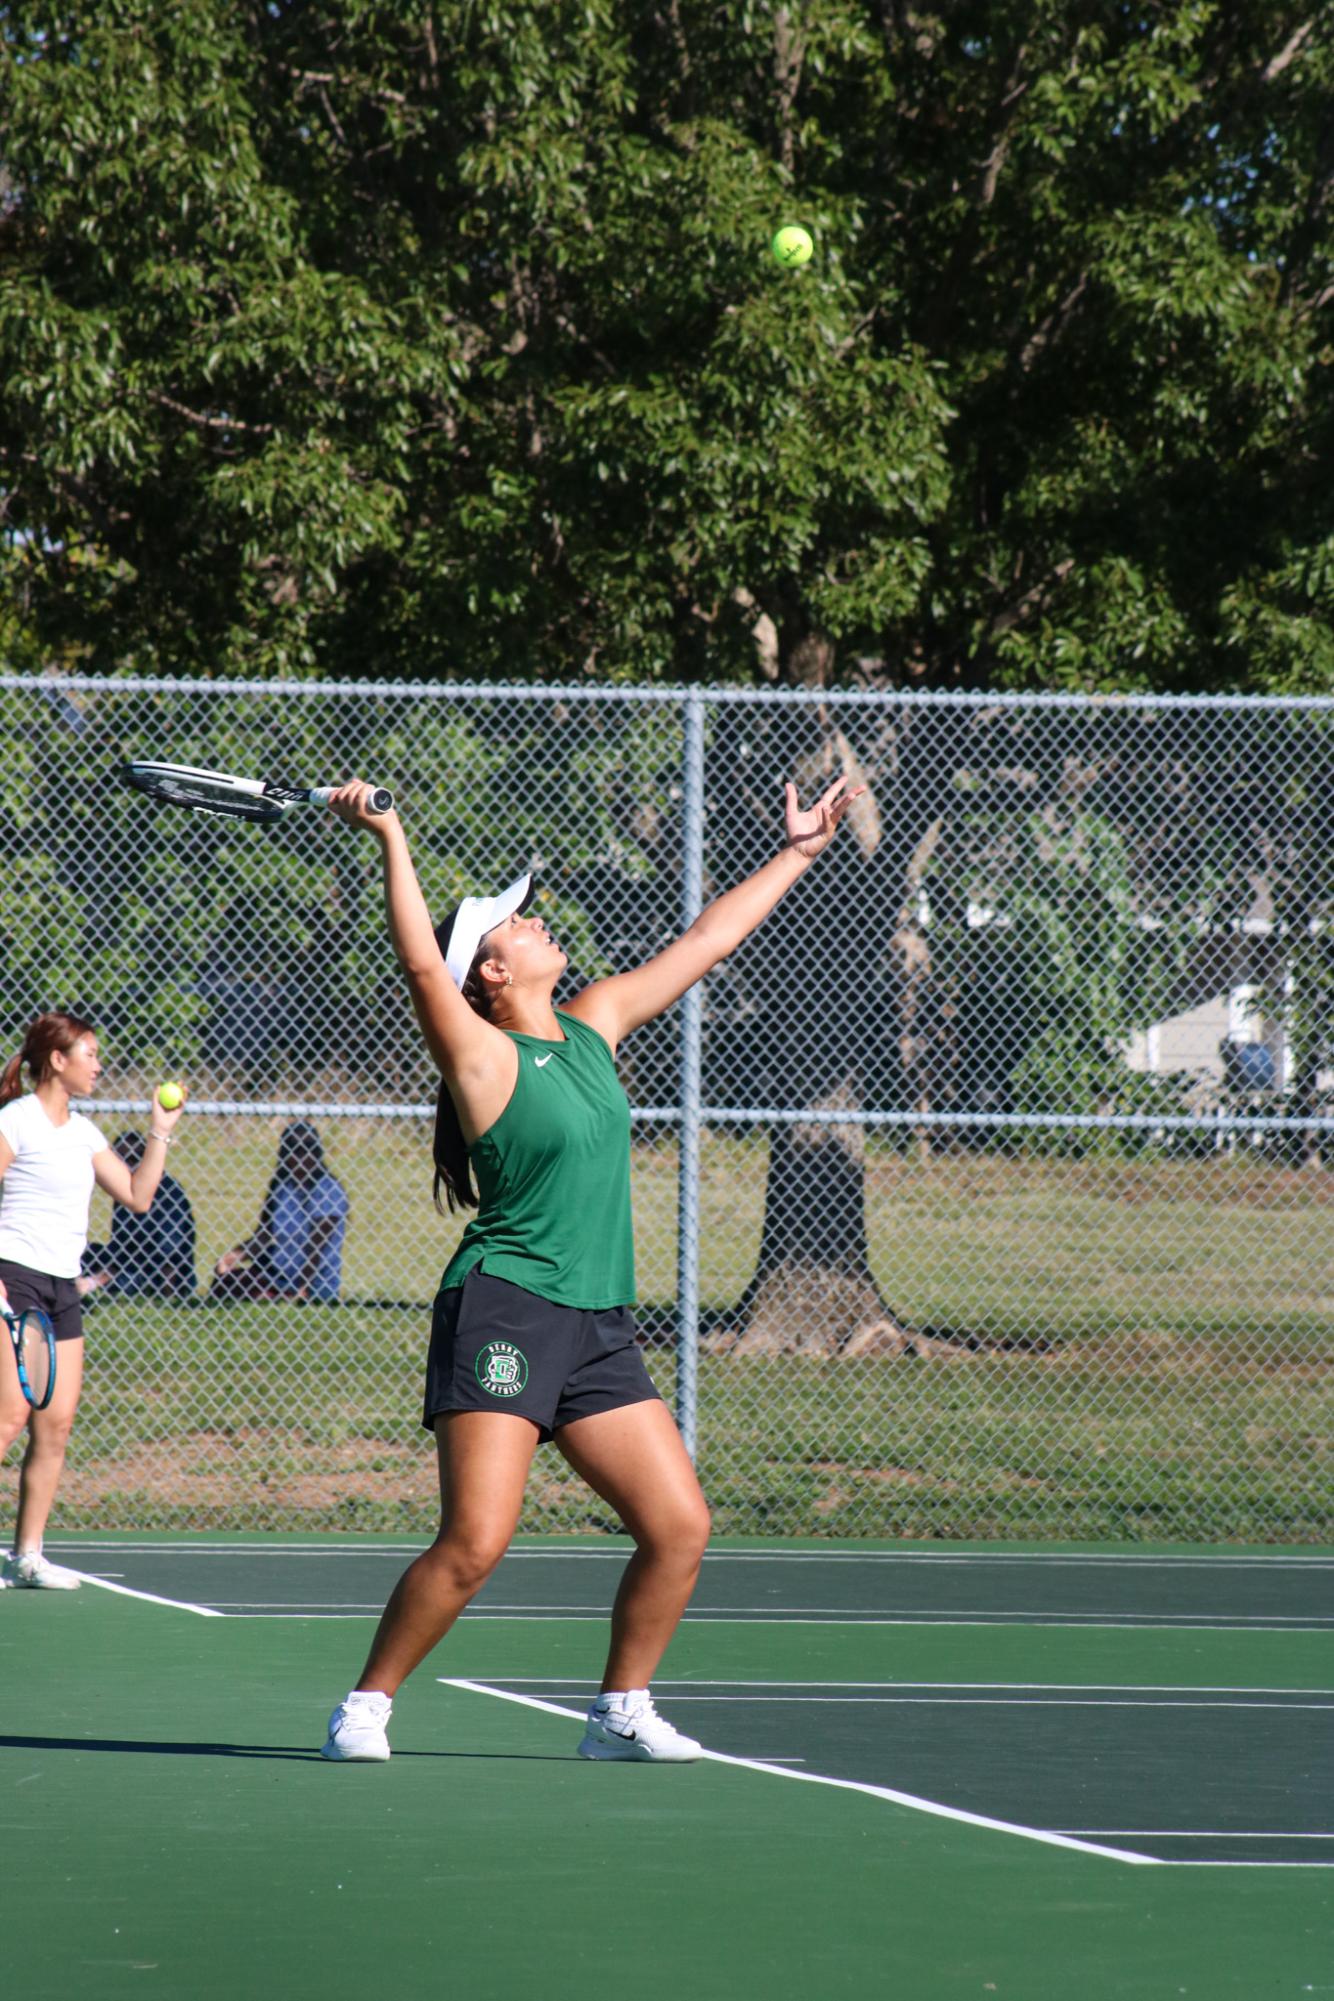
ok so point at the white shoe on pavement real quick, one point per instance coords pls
(32, 1572)
(628, 1726)
(357, 1729)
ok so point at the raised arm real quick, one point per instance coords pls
(460, 1042)
(136, 1191)
(626, 1001)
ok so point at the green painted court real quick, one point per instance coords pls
(935, 1770)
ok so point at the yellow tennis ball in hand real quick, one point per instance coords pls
(169, 1096)
(792, 245)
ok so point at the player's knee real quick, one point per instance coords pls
(469, 1560)
(51, 1436)
(682, 1535)
(698, 1528)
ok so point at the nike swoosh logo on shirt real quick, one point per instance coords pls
(538, 1061)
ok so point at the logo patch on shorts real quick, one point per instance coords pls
(501, 1368)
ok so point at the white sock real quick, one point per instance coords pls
(621, 1698)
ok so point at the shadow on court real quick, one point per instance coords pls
(289, 1753)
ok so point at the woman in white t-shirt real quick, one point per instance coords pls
(50, 1157)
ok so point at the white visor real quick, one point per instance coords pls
(460, 936)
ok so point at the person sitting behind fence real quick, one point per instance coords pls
(296, 1251)
(150, 1255)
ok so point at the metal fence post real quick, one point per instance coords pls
(692, 1029)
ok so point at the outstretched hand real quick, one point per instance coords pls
(348, 804)
(813, 830)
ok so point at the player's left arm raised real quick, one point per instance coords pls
(136, 1191)
(626, 1001)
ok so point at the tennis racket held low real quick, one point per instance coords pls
(34, 1343)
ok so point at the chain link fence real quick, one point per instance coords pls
(983, 1191)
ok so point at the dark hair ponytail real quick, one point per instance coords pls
(50, 1032)
(449, 1149)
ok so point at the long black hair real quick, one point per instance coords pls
(449, 1149)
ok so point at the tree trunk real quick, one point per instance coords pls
(813, 1292)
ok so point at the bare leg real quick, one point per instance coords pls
(48, 1435)
(634, 1459)
(484, 1461)
(14, 1409)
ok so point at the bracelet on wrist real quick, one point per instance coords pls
(166, 1138)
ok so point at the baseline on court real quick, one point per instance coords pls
(1205, 1746)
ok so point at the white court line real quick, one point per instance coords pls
(997, 1702)
(812, 1615)
(1051, 1837)
(286, 1608)
(1093, 1701)
(1062, 1687)
(1295, 1621)
(991, 1623)
(615, 1553)
(149, 1597)
(1188, 1834)
(911, 1800)
(1184, 1862)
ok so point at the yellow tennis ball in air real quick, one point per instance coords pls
(792, 245)
(169, 1096)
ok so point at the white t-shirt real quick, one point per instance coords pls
(47, 1187)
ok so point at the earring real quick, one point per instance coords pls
(509, 979)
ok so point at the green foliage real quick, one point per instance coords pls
(401, 339)
(258, 958)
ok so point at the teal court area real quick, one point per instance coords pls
(932, 1771)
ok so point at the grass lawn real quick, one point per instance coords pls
(1129, 1349)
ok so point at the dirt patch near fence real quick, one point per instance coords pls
(256, 1470)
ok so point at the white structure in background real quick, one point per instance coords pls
(1196, 1038)
(1224, 1035)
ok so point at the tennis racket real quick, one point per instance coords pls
(262, 799)
(35, 1353)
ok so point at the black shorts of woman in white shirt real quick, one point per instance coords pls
(57, 1298)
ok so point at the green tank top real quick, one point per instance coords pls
(553, 1174)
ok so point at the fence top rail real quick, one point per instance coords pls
(667, 694)
(771, 1115)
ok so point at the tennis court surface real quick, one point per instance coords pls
(934, 1770)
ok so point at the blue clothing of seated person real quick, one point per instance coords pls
(296, 1251)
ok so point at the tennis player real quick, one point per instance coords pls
(50, 1158)
(532, 1336)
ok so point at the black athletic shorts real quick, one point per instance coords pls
(496, 1347)
(58, 1298)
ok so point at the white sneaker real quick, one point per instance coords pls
(628, 1726)
(357, 1729)
(32, 1572)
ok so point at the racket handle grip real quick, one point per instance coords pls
(379, 801)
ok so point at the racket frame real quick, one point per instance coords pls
(28, 1318)
(228, 796)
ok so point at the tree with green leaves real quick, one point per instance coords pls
(369, 339)
(424, 338)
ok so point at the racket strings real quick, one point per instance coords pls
(201, 797)
(35, 1352)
